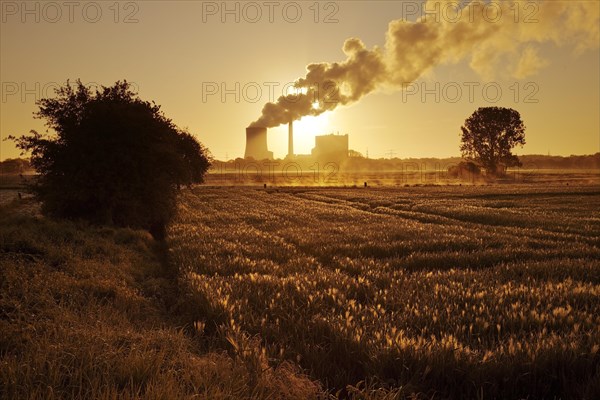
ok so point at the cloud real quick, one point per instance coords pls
(528, 64)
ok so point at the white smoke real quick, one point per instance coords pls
(503, 38)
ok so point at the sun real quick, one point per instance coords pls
(306, 129)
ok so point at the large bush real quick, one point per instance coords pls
(113, 159)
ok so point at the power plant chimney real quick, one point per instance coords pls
(291, 139)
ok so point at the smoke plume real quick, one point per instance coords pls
(501, 33)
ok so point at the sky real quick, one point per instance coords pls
(406, 85)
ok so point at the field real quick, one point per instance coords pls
(406, 174)
(420, 292)
(91, 312)
(432, 292)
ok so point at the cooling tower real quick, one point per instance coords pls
(256, 144)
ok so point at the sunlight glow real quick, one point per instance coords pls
(306, 129)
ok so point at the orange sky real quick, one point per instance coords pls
(182, 55)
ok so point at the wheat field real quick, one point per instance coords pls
(428, 292)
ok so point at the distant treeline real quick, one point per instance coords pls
(15, 166)
(558, 162)
(534, 161)
(395, 164)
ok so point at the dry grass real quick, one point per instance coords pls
(421, 292)
(88, 313)
(472, 292)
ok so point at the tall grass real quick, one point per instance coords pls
(92, 313)
(423, 292)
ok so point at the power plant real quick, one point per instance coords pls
(329, 148)
(256, 144)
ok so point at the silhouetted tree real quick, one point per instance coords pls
(114, 159)
(194, 161)
(355, 154)
(488, 136)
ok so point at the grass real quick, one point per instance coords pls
(426, 292)
(92, 313)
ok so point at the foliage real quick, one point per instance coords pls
(355, 154)
(464, 169)
(114, 159)
(488, 136)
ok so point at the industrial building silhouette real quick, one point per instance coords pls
(256, 144)
(328, 148)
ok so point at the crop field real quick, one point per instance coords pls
(423, 292)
